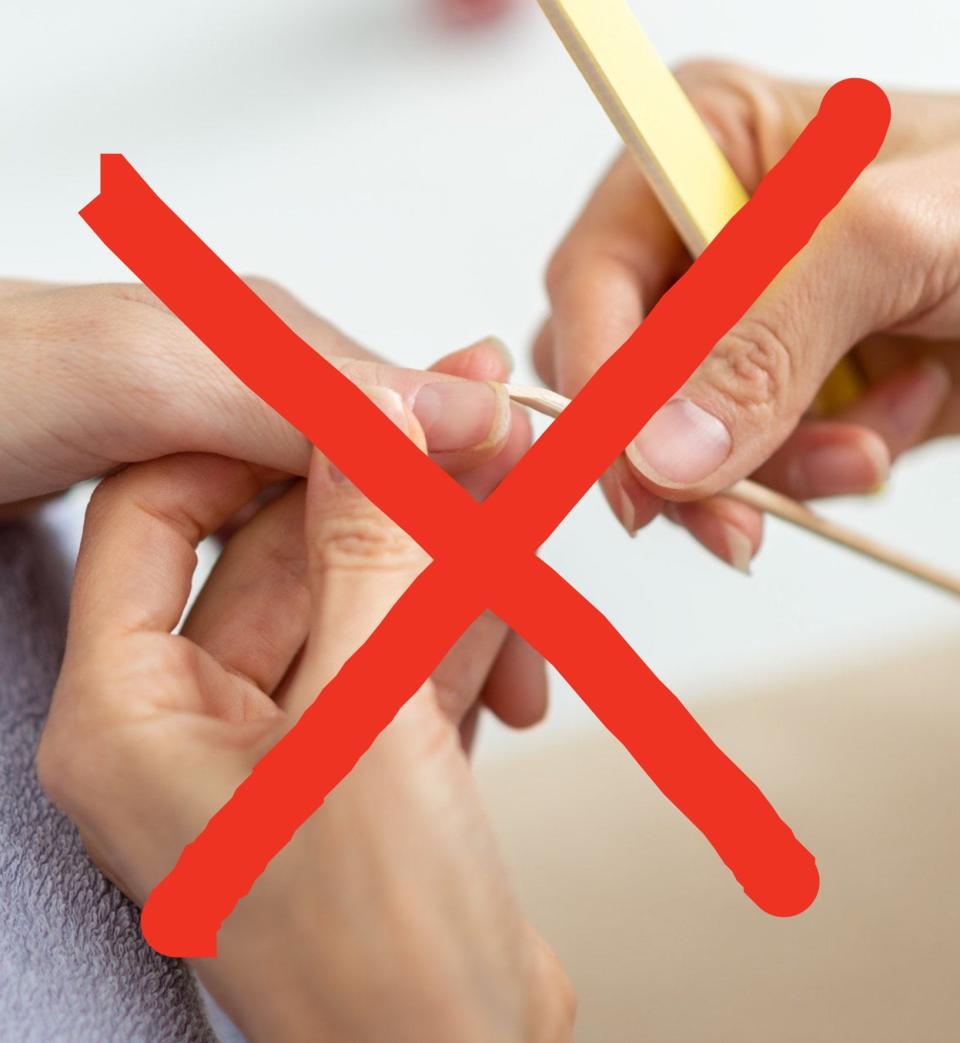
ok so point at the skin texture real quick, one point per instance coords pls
(151, 732)
(881, 278)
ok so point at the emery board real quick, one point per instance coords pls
(686, 168)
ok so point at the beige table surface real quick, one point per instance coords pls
(864, 763)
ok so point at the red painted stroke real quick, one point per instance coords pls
(484, 555)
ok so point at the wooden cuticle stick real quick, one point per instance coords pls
(766, 500)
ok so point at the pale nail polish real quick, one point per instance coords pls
(681, 445)
(739, 549)
(627, 512)
(504, 352)
(460, 415)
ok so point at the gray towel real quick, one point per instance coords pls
(73, 965)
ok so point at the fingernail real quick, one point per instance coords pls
(681, 445)
(504, 352)
(391, 405)
(626, 512)
(837, 470)
(458, 415)
(739, 548)
(614, 485)
(632, 504)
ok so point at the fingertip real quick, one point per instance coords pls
(632, 504)
(856, 460)
(731, 531)
(516, 690)
(487, 359)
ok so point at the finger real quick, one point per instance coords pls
(853, 454)
(751, 392)
(488, 359)
(460, 676)
(516, 689)
(137, 556)
(469, 727)
(543, 355)
(730, 530)
(21, 508)
(19, 287)
(480, 481)
(634, 505)
(903, 408)
(249, 511)
(614, 265)
(465, 422)
(253, 613)
(359, 563)
(827, 458)
(306, 323)
(464, 670)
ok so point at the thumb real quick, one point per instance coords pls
(748, 396)
(359, 563)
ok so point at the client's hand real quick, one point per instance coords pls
(99, 376)
(389, 915)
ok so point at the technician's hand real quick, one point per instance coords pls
(881, 277)
(390, 915)
(99, 376)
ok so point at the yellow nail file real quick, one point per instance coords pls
(685, 166)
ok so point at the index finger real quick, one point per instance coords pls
(615, 263)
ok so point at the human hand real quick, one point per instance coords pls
(881, 277)
(389, 915)
(100, 376)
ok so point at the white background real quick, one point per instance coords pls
(409, 182)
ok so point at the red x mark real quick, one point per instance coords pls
(484, 556)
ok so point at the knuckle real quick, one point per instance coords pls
(888, 219)
(361, 539)
(878, 214)
(752, 369)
